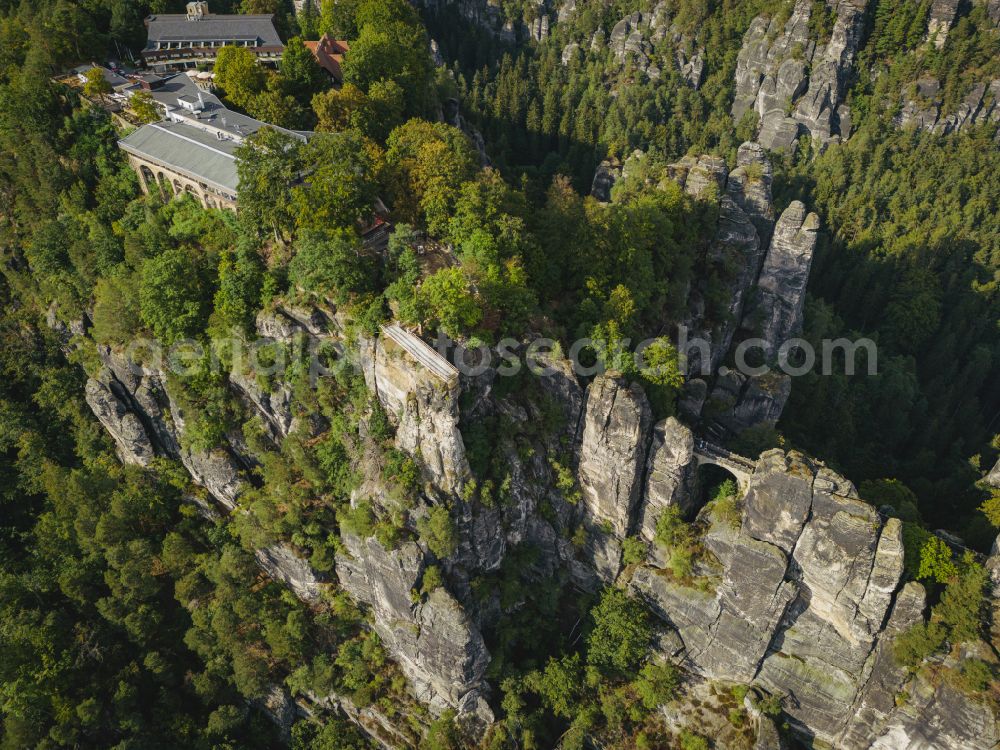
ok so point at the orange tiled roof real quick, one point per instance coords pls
(329, 53)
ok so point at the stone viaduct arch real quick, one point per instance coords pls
(155, 177)
(740, 467)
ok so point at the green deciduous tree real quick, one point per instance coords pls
(338, 191)
(173, 295)
(936, 561)
(143, 107)
(426, 164)
(991, 508)
(341, 109)
(96, 85)
(241, 281)
(303, 77)
(620, 636)
(267, 163)
(277, 108)
(437, 530)
(116, 309)
(239, 75)
(560, 685)
(657, 684)
(446, 301)
(331, 264)
(396, 51)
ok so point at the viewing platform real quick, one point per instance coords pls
(424, 354)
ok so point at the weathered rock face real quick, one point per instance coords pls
(938, 715)
(750, 186)
(425, 409)
(794, 83)
(782, 282)
(922, 107)
(670, 474)
(283, 565)
(805, 586)
(993, 565)
(133, 403)
(570, 53)
(742, 401)
(643, 41)
(441, 652)
(776, 263)
(566, 10)
(489, 16)
(877, 699)
(993, 11)
(613, 451)
(438, 649)
(799, 595)
(134, 446)
(605, 177)
(846, 572)
(802, 597)
(744, 204)
(940, 20)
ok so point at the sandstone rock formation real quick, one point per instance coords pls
(782, 281)
(670, 474)
(605, 177)
(613, 451)
(993, 477)
(489, 16)
(737, 241)
(794, 83)
(800, 596)
(134, 446)
(939, 22)
(803, 599)
(767, 290)
(439, 649)
(922, 107)
(938, 715)
(425, 408)
(643, 40)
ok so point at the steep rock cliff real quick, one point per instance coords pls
(440, 651)
(800, 594)
(670, 474)
(613, 450)
(424, 408)
(135, 406)
(803, 598)
(767, 288)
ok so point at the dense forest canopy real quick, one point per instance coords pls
(129, 620)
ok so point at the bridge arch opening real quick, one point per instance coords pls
(714, 482)
(148, 177)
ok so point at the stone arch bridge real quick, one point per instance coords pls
(739, 466)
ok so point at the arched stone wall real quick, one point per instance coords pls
(170, 184)
(146, 177)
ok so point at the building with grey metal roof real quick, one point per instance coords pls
(174, 157)
(182, 100)
(185, 40)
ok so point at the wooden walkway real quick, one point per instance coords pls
(422, 352)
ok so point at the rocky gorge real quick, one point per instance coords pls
(803, 592)
(797, 590)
